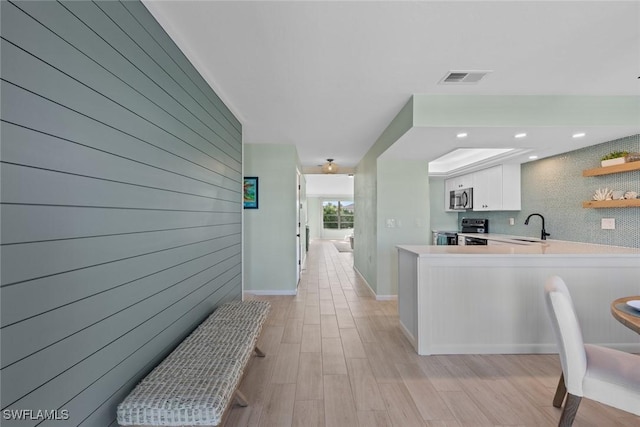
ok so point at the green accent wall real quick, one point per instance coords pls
(121, 214)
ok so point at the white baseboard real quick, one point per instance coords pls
(271, 292)
(377, 297)
(365, 282)
(411, 338)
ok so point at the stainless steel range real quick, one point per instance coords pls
(474, 225)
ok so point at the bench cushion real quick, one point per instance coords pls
(195, 383)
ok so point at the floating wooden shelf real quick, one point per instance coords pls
(627, 203)
(625, 167)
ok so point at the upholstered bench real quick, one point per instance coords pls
(198, 381)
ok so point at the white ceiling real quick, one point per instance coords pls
(329, 76)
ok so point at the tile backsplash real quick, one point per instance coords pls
(555, 188)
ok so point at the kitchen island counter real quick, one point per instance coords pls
(489, 299)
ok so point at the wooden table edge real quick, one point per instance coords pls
(631, 322)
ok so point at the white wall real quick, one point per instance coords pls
(270, 231)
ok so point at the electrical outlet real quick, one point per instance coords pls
(608, 223)
(512, 221)
(391, 223)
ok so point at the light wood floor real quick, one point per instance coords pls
(336, 357)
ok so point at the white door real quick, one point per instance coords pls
(298, 230)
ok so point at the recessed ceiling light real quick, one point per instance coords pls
(520, 135)
(533, 157)
(578, 135)
(462, 135)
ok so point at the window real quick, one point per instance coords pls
(337, 214)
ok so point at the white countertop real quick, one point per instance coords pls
(548, 247)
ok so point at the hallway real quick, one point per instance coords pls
(336, 357)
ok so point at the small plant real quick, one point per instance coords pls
(615, 155)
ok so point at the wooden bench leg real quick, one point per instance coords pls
(241, 400)
(259, 352)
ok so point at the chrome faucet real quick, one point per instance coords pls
(543, 233)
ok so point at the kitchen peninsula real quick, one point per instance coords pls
(489, 299)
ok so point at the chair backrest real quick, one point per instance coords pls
(568, 334)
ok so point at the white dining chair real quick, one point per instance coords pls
(599, 373)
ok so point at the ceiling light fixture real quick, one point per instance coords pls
(329, 167)
(461, 135)
(578, 135)
(533, 157)
(520, 135)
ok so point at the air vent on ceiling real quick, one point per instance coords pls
(463, 77)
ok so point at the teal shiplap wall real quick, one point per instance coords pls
(555, 187)
(121, 204)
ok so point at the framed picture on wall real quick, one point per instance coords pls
(250, 196)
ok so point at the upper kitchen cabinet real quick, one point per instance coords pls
(487, 193)
(494, 189)
(497, 188)
(459, 182)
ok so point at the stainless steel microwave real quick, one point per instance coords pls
(461, 200)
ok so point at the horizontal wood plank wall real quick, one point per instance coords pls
(121, 205)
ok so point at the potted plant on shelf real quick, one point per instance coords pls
(614, 158)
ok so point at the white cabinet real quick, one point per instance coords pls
(487, 189)
(494, 189)
(460, 182)
(497, 188)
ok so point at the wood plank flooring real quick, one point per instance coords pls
(336, 357)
